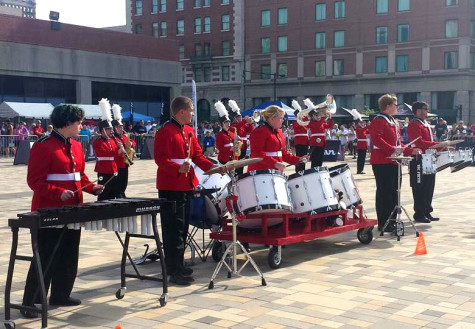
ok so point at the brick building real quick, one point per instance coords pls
(24, 8)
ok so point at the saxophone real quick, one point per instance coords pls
(237, 144)
(129, 151)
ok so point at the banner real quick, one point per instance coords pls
(195, 105)
(332, 150)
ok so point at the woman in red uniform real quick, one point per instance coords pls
(361, 146)
(225, 138)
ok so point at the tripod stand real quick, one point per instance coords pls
(395, 215)
(231, 250)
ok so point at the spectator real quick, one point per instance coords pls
(7, 141)
(50, 129)
(21, 131)
(209, 143)
(343, 137)
(140, 128)
(148, 126)
(216, 128)
(441, 130)
(37, 130)
(153, 130)
(127, 127)
(85, 135)
(461, 130)
(352, 140)
(452, 132)
(472, 128)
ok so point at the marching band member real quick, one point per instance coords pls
(225, 138)
(268, 142)
(386, 139)
(422, 185)
(361, 146)
(56, 176)
(106, 152)
(243, 128)
(175, 148)
(300, 137)
(121, 140)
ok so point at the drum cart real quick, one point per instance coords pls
(298, 228)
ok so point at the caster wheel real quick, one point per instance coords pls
(229, 275)
(365, 236)
(120, 293)
(273, 258)
(9, 325)
(218, 251)
(163, 300)
(211, 285)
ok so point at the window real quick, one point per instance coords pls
(442, 100)
(225, 2)
(402, 63)
(382, 35)
(451, 28)
(225, 22)
(265, 71)
(180, 4)
(320, 40)
(320, 68)
(155, 30)
(403, 5)
(138, 29)
(340, 9)
(138, 7)
(265, 45)
(181, 52)
(403, 33)
(198, 74)
(338, 67)
(450, 60)
(282, 43)
(320, 12)
(180, 27)
(154, 6)
(450, 3)
(207, 74)
(224, 73)
(225, 46)
(163, 29)
(381, 64)
(382, 7)
(197, 25)
(206, 3)
(339, 39)
(197, 4)
(282, 70)
(265, 18)
(282, 16)
(207, 25)
(198, 52)
(472, 60)
(207, 49)
(163, 6)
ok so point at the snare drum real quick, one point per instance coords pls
(467, 157)
(215, 181)
(443, 160)
(311, 191)
(458, 157)
(342, 180)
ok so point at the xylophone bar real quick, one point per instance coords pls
(129, 224)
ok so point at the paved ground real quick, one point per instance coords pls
(329, 283)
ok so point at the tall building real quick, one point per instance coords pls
(25, 8)
(254, 51)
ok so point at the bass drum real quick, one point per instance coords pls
(342, 181)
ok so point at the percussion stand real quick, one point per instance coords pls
(398, 223)
(231, 250)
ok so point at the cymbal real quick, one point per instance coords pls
(400, 157)
(234, 164)
(446, 143)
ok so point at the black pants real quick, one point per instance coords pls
(240, 171)
(175, 228)
(122, 181)
(360, 161)
(386, 191)
(63, 270)
(111, 189)
(316, 157)
(300, 150)
(422, 188)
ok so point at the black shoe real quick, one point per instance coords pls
(27, 314)
(186, 271)
(181, 280)
(361, 173)
(65, 302)
(432, 219)
(422, 219)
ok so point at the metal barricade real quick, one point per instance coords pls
(9, 144)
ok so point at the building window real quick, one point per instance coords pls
(382, 7)
(265, 45)
(338, 68)
(138, 7)
(320, 40)
(181, 52)
(197, 4)
(451, 28)
(198, 74)
(282, 16)
(207, 25)
(339, 39)
(198, 52)
(340, 9)
(225, 2)
(163, 29)
(163, 6)
(472, 60)
(265, 72)
(282, 70)
(180, 27)
(320, 12)
(282, 43)
(381, 64)
(206, 3)
(403, 5)
(207, 49)
(180, 4)
(224, 73)
(207, 74)
(265, 18)
(155, 30)
(320, 68)
(450, 3)
(402, 63)
(442, 100)
(225, 46)
(225, 22)
(154, 6)
(403, 33)
(381, 35)
(197, 25)
(138, 29)
(450, 60)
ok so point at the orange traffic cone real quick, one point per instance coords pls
(421, 245)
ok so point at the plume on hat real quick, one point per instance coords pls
(116, 109)
(234, 107)
(296, 105)
(105, 108)
(309, 104)
(219, 106)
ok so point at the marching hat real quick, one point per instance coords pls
(310, 106)
(116, 109)
(296, 107)
(222, 112)
(235, 108)
(106, 117)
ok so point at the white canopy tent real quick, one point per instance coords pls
(12, 110)
(91, 111)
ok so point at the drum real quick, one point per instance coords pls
(429, 165)
(458, 157)
(467, 157)
(342, 181)
(204, 213)
(443, 160)
(311, 191)
(218, 181)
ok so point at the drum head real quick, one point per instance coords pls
(338, 169)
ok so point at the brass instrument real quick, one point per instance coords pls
(124, 152)
(129, 151)
(323, 109)
(237, 144)
(256, 116)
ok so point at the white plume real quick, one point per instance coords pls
(116, 109)
(233, 105)
(105, 108)
(309, 104)
(356, 115)
(296, 105)
(219, 106)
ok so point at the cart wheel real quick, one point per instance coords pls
(417, 234)
(365, 236)
(273, 258)
(211, 285)
(163, 300)
(218, 251)
(9, 324)
(120, 293)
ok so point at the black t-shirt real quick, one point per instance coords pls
(440, 129)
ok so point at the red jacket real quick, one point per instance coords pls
(265, 140)
(318, 131)
(225, 146)
(362, 138)
(106, 151)
(417, 128)
(172, 142)
(119, 157)
(300, 134)
(385, 135)
(55, 154)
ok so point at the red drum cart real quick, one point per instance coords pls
(296, 228)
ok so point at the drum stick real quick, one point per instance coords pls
(412, 142)
(190, 135)
(107, 182)
(82, 188)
